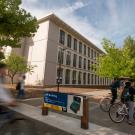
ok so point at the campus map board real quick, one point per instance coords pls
(64, 102)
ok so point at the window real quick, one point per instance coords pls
(75, 44)
(80, 47)
(84, 49)
(92, 79)
(92, 53)
(88, 64)
(67, 76)
(62, 37)
(92, 69)
(79, 77)
(80, 62)
(68, 58)
(88, 78)
(95, 55)
(84, 78)
(69, 41)
(60, 56)
(74, 77)
(88, 52)
(74, 60)
(95, 79)
(59, 74)
(84, 63)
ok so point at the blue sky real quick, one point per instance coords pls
(95, 19)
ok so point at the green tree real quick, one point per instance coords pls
(110, 64)
(15, 23)
(16, 65)
(129, 54)
(117, 62)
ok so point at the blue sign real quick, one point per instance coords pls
(55, 98)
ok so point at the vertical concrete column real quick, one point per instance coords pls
(63, 81)
(77, 72)
(71, 72)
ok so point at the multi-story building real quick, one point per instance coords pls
(57, 44)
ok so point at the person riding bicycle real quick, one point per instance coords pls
(127, 96)
(114, 86)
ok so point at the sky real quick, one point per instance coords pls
(94, 19)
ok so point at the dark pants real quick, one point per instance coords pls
(21, 93)
(114, 95)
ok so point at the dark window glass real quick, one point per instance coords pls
(80, 47)
(84, 63)
(67, 77)
(79, 77)
(92, 79)
(88, 52)
(80, 62)
(88, 78)
(74, 77)
(88, 64)
(74, 60)
(62, 37)
(92, 53)
(95, 79)
(84, 78)
(68, 58)
(75, 44)
(60, 56)
(92, 66)
(84, 49)
(69, 41)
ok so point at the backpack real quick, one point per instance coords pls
(18, 86)
(125, 96)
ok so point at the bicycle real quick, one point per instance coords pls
(105, 104)
(119, 111)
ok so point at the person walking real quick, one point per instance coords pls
(21, 87)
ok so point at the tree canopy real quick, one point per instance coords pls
(117, 62)
(17, 64)
(15, 23)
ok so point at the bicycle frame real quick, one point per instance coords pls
(123, 110)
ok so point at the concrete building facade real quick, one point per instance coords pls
(56, 42)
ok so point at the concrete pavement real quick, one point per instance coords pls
(65, 123)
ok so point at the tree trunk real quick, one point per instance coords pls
(12, 80)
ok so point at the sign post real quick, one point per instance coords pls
(69, 103)
(85, 117)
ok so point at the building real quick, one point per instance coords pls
(56, 42)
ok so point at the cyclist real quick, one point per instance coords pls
(128, 97)
(114, 86)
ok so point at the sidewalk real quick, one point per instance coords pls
(64, 123)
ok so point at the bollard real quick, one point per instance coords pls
(85, 117)
(44, 110)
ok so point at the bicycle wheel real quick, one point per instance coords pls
(117, 113)
(105, 104)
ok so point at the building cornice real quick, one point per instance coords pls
(55, 19)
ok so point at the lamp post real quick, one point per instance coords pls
(59, 78)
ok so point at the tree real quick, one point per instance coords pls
(129, 53)
(16, 65)
(15, 23)
(117, 62)
(111, 64)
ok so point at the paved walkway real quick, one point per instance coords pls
(62, 122)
